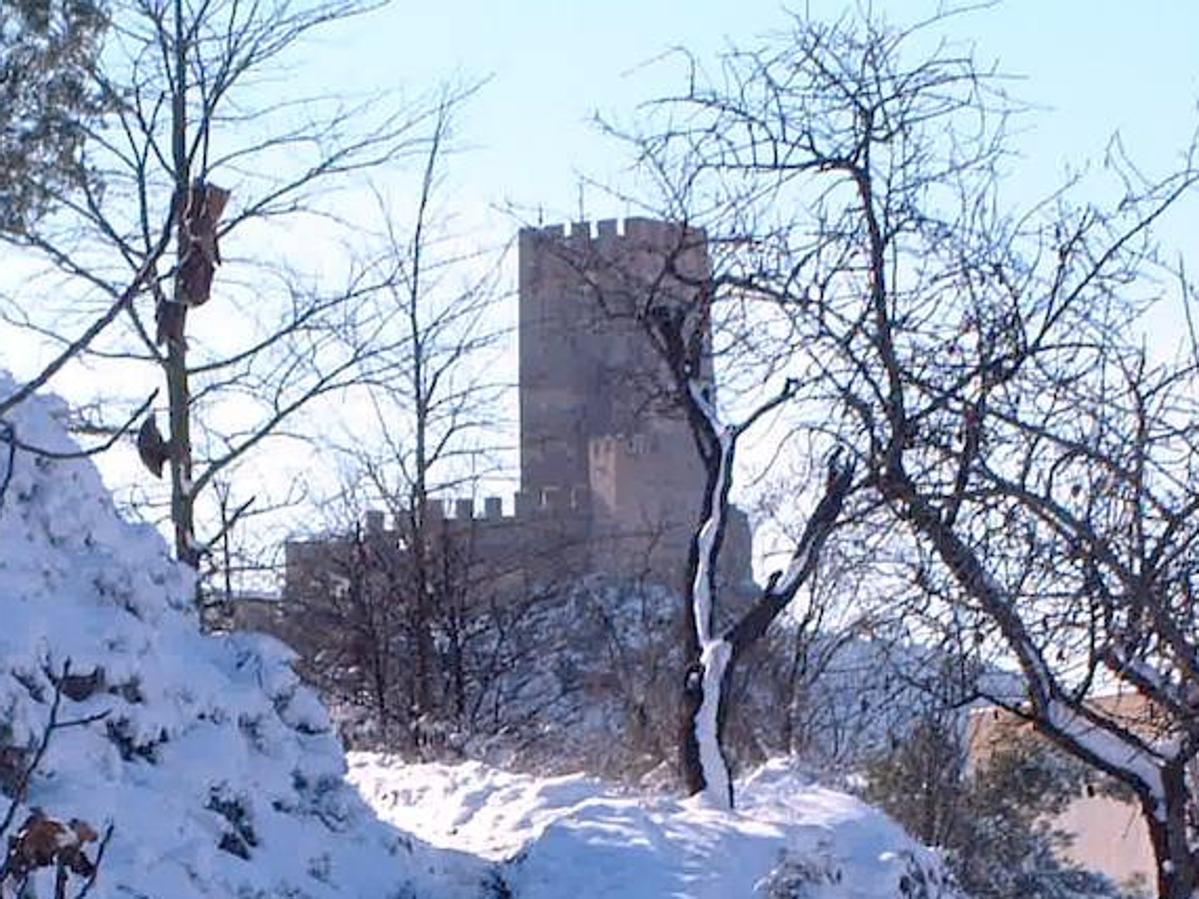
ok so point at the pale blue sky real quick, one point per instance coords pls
(1091, 67)
(1094, 65)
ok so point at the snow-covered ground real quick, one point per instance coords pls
(216, 770)
(205, 769)
(577, 837)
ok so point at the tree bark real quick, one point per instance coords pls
(1176, 861)
(704, 703)
(178, 392)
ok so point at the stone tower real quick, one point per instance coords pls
(611, 481)
(598, 423)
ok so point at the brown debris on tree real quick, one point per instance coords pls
(151, 447)
(199, 255)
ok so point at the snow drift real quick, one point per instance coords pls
(216, 771)
(577, 837)
(199, 766)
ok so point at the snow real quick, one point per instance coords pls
(702, 588)
(220, 775)
(577, 837)
(714, 658)
(191, 742)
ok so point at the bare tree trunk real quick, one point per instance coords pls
(711, 660)
(178, 393)
(691, 700)
(706, 688)
(1166, 816)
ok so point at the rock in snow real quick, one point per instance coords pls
(219, 776)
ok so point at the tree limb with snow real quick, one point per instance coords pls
(1038, 462)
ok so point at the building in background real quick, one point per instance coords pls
(611, 482)
(1109, 834)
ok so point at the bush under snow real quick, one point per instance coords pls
(217, 773)
(215, 768)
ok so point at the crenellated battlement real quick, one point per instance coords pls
(551, 501)
(636, 230)
(588, 373)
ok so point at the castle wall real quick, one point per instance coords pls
(484, 554)
(611, 481)
(587, 369)
(597, 403)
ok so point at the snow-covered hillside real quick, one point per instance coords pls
(576, 837)
(216, 770)
(198, 766)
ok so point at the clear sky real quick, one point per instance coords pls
(1091, 66)
(1094, 66)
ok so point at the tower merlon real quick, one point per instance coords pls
(646, 232)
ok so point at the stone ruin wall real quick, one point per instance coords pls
(610, 478)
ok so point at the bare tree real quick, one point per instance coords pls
(435, 404)
(424, 430)
(712, 656)
(428, 426)
(504, 673)
(187, 112)
(666, 288)
(985, 367)
(344, 615)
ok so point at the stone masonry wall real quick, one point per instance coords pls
(611, 481)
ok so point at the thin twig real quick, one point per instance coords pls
(7, 435)
(120, 432)
(81, 343)
(91, 880)
(52, 725)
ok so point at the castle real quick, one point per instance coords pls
(610, 479)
